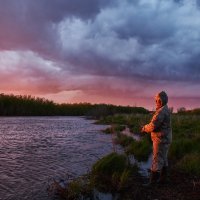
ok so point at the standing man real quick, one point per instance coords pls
(161, 136)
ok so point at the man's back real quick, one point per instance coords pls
(162, 125)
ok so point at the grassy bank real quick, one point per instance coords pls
(113, 173)
(184, 152)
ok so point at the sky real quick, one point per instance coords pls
(101, 51)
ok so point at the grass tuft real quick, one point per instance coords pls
(140, 149)
(111, 173)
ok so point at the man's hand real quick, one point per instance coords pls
(142, 131)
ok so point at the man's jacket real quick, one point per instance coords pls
(160, 126)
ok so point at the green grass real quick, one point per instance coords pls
(190, 163)
(140, 149)
(180, 147)
(134, 122)
(185, 131)
(110, 163)
(115, 128)
(119, 119)
(74, 189)
(111, 173)
(185, 126)
(185, 148)
(123, 140)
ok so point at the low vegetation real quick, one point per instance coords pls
(140, 149)
(185, 148)
(111, 173)
(186, 139)
(71, 189)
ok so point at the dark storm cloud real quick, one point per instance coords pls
(151, 43)
(27, 24)
(146, 39)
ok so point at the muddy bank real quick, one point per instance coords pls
(181, 187)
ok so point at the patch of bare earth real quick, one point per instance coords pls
(180, 187)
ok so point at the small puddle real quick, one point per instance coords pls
(104, 196)
(128, 133)
(143, 166)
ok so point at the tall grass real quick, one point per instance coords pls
(111, 173)
(185, 148)
(190, 163)
(185, 126)
(114, 129)
(123, 140)
(134, 122)
(185, 144)
(140, 149)
(180, 147)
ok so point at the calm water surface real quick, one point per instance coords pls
(34, 150)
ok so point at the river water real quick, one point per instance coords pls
(34, 150)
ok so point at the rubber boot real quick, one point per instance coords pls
(154, 178)
(164, 175)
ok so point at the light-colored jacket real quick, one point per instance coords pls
(160, 126)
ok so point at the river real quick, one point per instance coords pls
(34, 150)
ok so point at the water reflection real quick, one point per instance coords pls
(35, 149)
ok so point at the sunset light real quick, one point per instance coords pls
(99, 99)
(119, 53)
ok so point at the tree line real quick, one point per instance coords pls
(184, 111)
(27, 105)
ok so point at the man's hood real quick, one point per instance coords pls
(162, 96)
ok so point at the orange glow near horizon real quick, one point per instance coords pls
(80, 97)
(98, 95)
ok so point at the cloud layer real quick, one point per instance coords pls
(101, 50)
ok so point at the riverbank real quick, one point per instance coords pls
(180, 187)
(184, 156)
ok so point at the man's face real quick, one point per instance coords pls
(158, 103)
